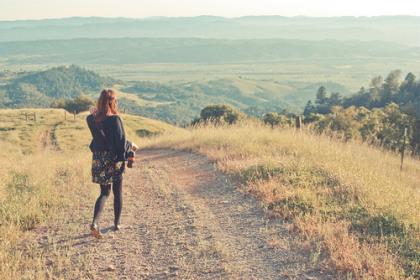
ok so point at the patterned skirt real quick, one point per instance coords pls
(104, 169)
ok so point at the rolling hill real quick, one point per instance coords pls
(174, 102)
(41, 88)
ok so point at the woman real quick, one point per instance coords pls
(109, 147)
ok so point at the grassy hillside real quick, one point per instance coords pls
(41, 88)
(45, 163)
(348, 202)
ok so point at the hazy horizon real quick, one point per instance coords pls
(203, 15)
(139, 9)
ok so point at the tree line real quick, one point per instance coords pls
(379, 114)
(385, 114)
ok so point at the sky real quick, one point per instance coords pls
(39, 9)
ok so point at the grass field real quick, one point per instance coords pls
(350, 203)
(352, 74)
(44, 163)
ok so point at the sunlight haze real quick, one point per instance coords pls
(29, 9)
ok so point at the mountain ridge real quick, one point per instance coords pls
(401, 29)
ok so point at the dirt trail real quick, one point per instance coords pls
(183, 220)
(48, 137)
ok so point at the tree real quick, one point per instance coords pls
(378, 115)
(321, 96)
(377, 82)
(79, 104)
(220, 114)
(391, 87)
(393, 80)
(275, 119)
(341, 123)
(309, 109)
(335, 99)
(394, 123)
(410, 79)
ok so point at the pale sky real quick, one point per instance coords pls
(38, 9)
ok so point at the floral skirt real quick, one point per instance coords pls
(104, 169)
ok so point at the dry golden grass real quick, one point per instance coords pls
(349, 202)
(44, 163)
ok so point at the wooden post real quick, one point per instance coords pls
(26, 116)
(34, 116)
(403, 148)
(65, 115)
(298, 122)
(74, 115)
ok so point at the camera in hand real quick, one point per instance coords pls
(130, 159)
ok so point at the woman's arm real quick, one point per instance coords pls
(119, 139)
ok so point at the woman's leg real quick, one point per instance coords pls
(100, 202)
(117, 190)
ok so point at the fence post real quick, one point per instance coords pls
(34, 116)
(298, 122)
(74, 115)
(403, 148)
(65, 115)
(26, 116)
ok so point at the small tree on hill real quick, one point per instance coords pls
(79, 104)
(220, 114)
(275, 119)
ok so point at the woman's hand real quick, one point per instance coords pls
(118, 165)
(93, 110)
(134, 147)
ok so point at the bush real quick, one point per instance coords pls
(275, 119)
(220, 114)
(79, 104)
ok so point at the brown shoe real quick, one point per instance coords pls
(95, 232)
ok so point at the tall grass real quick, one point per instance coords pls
(29, 200)
(44, 176)
(347, 201)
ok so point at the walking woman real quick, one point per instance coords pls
(109, 147)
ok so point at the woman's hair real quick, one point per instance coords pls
(107, 105)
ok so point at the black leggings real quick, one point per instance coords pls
(105, 192)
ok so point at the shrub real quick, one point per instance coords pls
(275, 119)
(220, 114)
(79, 104)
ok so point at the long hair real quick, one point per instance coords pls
(107, 105)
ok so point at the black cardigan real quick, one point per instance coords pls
(114, 140)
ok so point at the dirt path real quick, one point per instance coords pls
(48, 137)
(183, 220)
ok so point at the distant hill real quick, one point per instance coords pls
(190, 50)
(40, 88)
(180, 103)
(402, 29)
(173, 102)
